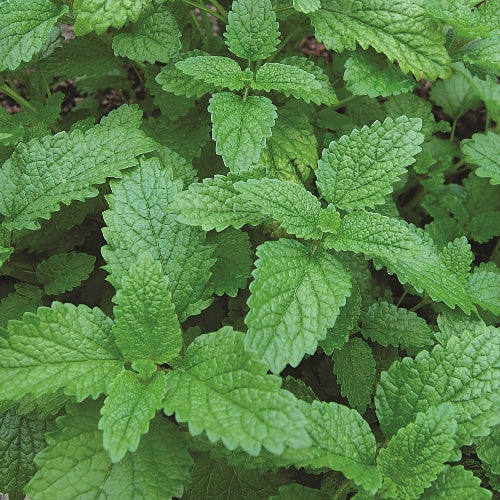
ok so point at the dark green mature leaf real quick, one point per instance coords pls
(482, 150)
(484, 288)
(225, 391)
(488, 451)
(75, 464)
(297, 491)
(295, 296)
(26, 298)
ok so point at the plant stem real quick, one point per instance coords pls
(217, 15)
(340, 491)
(221, 9)
(343, 102)
(422, 303)
(453, 128)
(19, 99)
(197, 24)
(401, 298)
(283, 44)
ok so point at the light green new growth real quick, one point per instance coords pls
(371, 74)
(295, 296)
(400, 29)
(387, 324)
(483, 286)
(225, 391)
(416, 454)
(75, 464)
(306, 6)
(215, 204)
(252, 31)
(44, 173)
(137, 222)
(99, 15)
(216, 70)
(483, 54)
(65, 271)
(61, 346)
(359, 170)
(457, 257)
(131, 404)
(482, 150)
(287, 79)
(154, 37)
(298, 210)
(146, 326)
(466, 373)
(341, 440)
(25, 26)
(405, 250)
(354, 367)
(241, 127)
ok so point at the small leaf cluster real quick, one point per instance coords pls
(260, 274)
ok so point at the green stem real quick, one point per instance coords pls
(207, 26)
(401, 298)
(459, 164)
(341, 490)
(19, 99)
(343, 102)
(197, 24)
(220, 8)
(422, 303)
(284, 43)
(206, 9)
(453, 128)
(246, 93)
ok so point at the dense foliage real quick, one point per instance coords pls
(254, 274)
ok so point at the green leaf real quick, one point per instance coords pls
(399, 29)
(215, 204)
(154, 37)
(482, 150)
(296, 491)
(483, 54)
(99, 15)
(298, 210)
(287, 79)
(61, 346)
(26, 298)
(75, 464)
(292, 150)
(488, 450)
(416, 454)
(44, 173)
(22, 438)
(484, 226)
(127, 411)
(295, 296)
(252, 31)
(371, 74)
(341, 440)
(216, 70)
(306, 6)
(241, 127)
(137, 222)
(172, 79)
(390, 325)
(146, 326)
(405, 250)
(457, 483)
(354, 367)
(225, 391)
(65, 271)
(484, 289)
(232, 269)
(25, 27)
(465, 373)
(359, 170)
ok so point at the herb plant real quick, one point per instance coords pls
(259, 274)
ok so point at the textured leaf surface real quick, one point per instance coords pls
(146, 326)
(75, 464)
(287, 79)
(488, 450)
(373, 75)
(241, 127)
(483, 54)
(25, 26)
(400, 29)
(296, 491)
(61, 346)
(306, 6)
(155, 37)
(99, 15)
(457, 483)
(298, 210)
(354, 367)
(466, 373)
(390, 325)
(484, 288)
(252, 31)
(21, 438)
(215, 204)
(216, 70)
(64, 271)
(482, 150)
(295, 296)
(26, 298)
(416, 454)
(341, 440)
(405, 250)
(457, 257)
(232, 269)
(137, 222)
(44, 173)
(359, 170)
(131, 404)
(241, 404)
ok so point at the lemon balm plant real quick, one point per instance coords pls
(263, 275)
